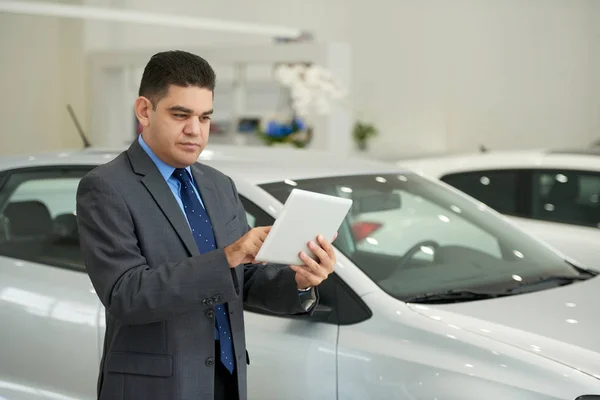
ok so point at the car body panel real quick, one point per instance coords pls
(430, 357)
(558, 323)
(288, 356)
(49, 330)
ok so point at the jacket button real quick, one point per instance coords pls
(205, 302)
(210, 314)
(217, 298)
(209, 362)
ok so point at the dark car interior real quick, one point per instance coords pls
(571, 201)
(28, 232)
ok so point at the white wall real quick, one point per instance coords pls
(41, 71)
(456, 74)
(434, 75)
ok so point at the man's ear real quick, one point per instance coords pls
(143, 107)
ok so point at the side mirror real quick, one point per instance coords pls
(322, 313)
(376, 201)
(323, 310)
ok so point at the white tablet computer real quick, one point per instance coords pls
(305, 215)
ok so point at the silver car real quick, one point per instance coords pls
(434, 295)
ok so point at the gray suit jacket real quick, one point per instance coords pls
(158, 291)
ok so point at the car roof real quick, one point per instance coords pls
(255, 164)
(571, 159)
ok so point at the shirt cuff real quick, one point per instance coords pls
(307, 298)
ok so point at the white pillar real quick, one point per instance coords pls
(112, 117)
(238, 106)
(341, 120)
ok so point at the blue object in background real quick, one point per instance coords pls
(278, 129)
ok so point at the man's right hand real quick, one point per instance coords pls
(245, 248)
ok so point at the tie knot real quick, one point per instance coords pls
(182, 175)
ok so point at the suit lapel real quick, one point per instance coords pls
(211, 202)
(163, 196)
(160, 191)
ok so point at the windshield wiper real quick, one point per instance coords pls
(452, 296)
(559, 280)
(458, 296)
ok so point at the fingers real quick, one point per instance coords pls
(246, 248)
(318, 250)
(313, 272)
(260, 232)
(253, 241)
(310, 278)
(264, 229)
(250, 245)
(256, 236)
(324, 250)
(312, 266)
(263, 235)
(326, 246)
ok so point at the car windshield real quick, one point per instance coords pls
(412, 237)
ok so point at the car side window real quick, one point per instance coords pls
(255, 215)
(497, 189)
(37, 217)
(566, 196)
(338, 304)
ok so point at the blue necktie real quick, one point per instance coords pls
(205, 240)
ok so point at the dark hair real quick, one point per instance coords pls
(178, 68)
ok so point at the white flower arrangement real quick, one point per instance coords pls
(312, 88)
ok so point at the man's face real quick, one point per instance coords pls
(177, 130)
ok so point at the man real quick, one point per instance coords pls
(170, 254)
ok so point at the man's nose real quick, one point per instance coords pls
(192, 127)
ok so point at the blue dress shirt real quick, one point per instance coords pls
(167, 171)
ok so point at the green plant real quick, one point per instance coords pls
(362, 132)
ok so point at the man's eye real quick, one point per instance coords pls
(180, 115)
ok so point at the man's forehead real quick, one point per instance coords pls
(190, 99)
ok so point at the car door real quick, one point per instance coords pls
(565, 212)
(503, 190)
(292, 357)
(49, 312)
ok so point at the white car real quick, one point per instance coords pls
(552, 194)
(433, 296)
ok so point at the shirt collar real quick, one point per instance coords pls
(165, 170)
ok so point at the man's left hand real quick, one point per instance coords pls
(312, 273)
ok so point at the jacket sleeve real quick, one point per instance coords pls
(130, 289)
(272, 287)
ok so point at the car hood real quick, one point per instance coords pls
(561, 324)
